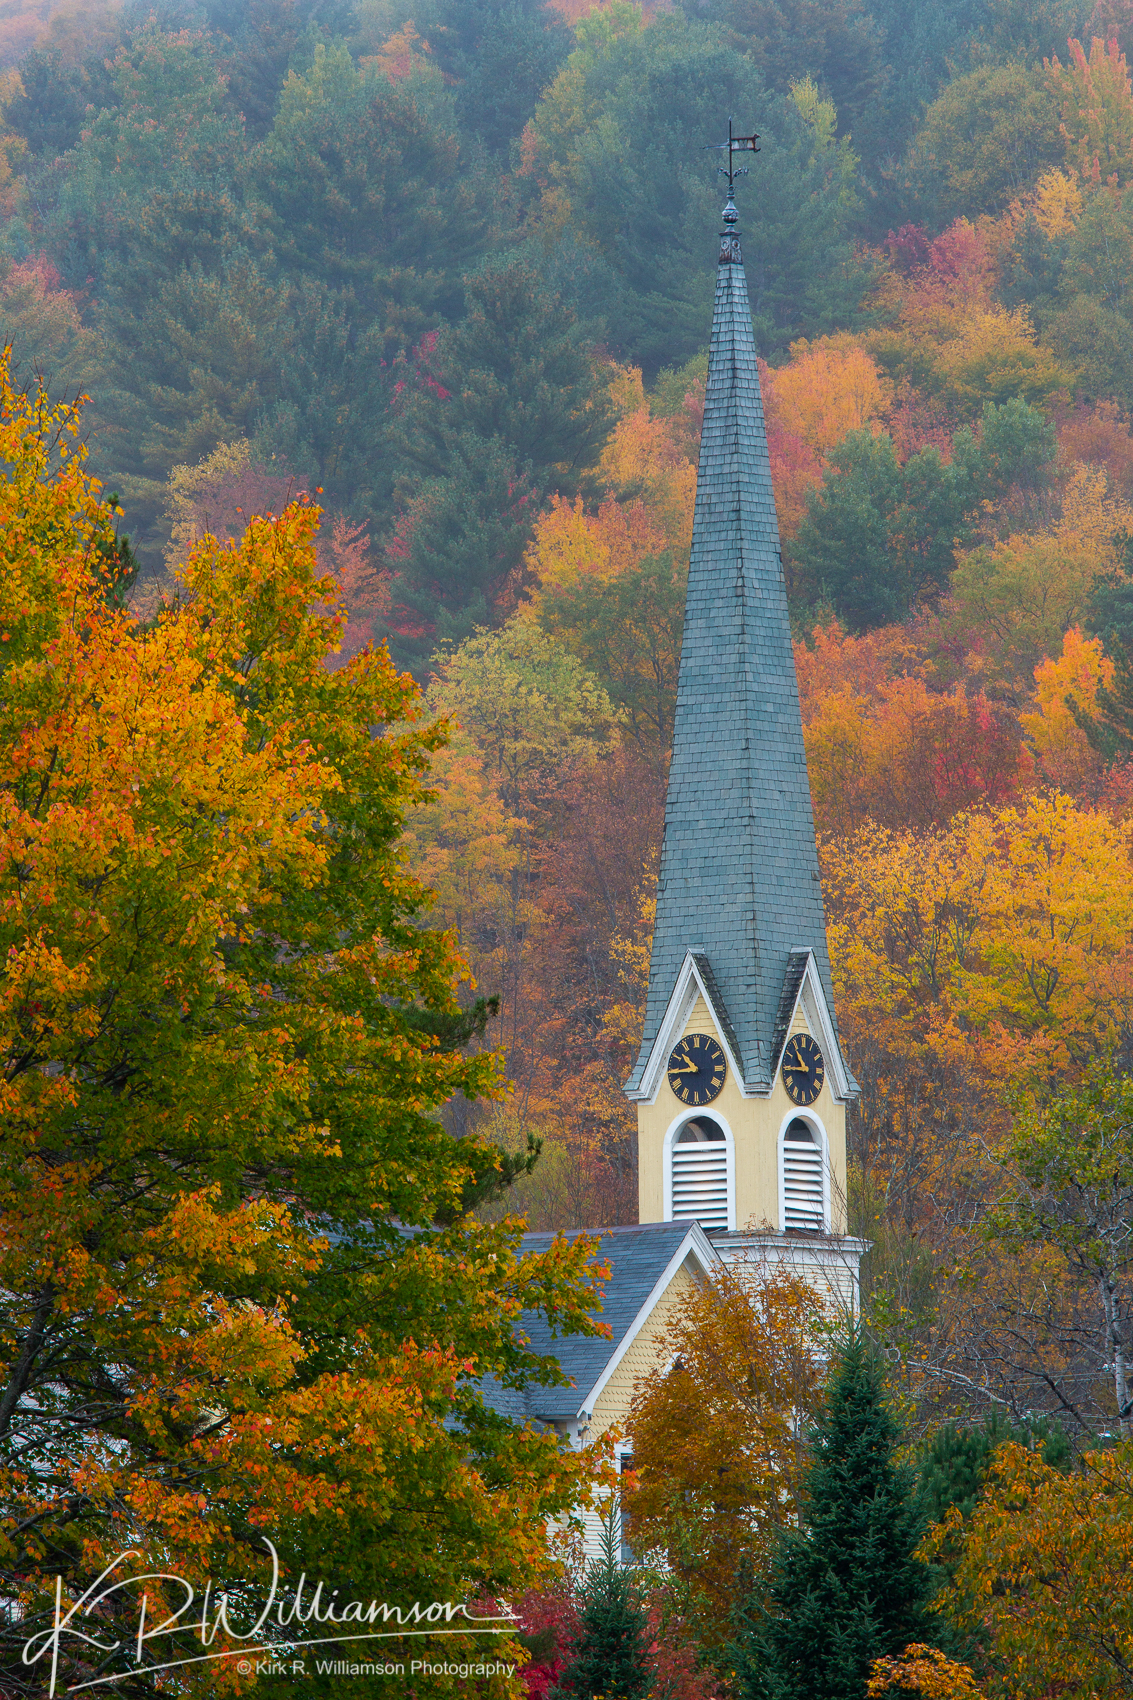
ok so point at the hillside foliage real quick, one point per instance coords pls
(445, 268)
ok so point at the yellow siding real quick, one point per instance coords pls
(755, 1124)
(645, 1353)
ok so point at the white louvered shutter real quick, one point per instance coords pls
(802, 1179)
(700, 1183)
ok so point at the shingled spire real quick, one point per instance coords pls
(739, 886)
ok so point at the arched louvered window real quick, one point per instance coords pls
(700, 1174)
(803, 1207)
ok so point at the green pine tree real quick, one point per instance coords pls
(1109, 615)
(846, 1586)
(608, 1658)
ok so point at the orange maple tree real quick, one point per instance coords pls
(241, 1295)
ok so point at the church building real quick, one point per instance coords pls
(740, 1085)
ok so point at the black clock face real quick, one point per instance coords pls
(697, 1069)
(803, 1069)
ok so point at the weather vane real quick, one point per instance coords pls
(733, 146)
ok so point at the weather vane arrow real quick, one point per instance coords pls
(734, 145)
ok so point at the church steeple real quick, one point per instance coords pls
(739, 947)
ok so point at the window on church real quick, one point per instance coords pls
(802, 1179)
(700, 1175)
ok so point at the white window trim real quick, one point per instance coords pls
(689, 987)
(674, 1128)
(815, 1123)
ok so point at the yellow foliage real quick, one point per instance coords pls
(567, 543)
(641, 460)
(924, 1671)
(1029, 589)
(830, 387)
(466, 848)
(210, 940)
(1056, 203)
(627, 392)
(183, 495)
(947, 335)
(1060, 743)
(999, 944)
(1046, 1574)
(743, 1365)
(995, 353)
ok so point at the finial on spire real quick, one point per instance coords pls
(730, 236)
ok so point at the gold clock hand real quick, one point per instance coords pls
(687, 1068)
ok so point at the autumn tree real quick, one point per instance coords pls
(1069, 1170)
(989, 954)
(1066, 687)
(718, 1447)
(1046, 1578)
(1026, 590)
(1096, 109)
(241, 1294)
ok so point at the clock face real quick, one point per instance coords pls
(803, 1069)
(697, 1069)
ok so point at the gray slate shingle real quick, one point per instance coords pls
(739, 868)
(638, 1256)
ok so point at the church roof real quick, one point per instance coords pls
(640, 1257)
(739, 883)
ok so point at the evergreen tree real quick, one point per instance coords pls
(1109, 615)
(955, 1462)
(622, 134)
(846, 1587)
(501, 54)
(878, 537)
(608, 1658)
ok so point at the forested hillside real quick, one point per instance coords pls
(449, 263)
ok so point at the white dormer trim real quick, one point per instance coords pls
(816, 1011)
(690, 986)
(695, 1246)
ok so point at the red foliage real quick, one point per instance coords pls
(1100, 435)
(551, 1618)
(674, 1657)
(961, 253)
(416, 371)
(344, 550)
(908, 248)
(916, 421)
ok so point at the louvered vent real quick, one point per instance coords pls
(700, 1175)
(802, 1179)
